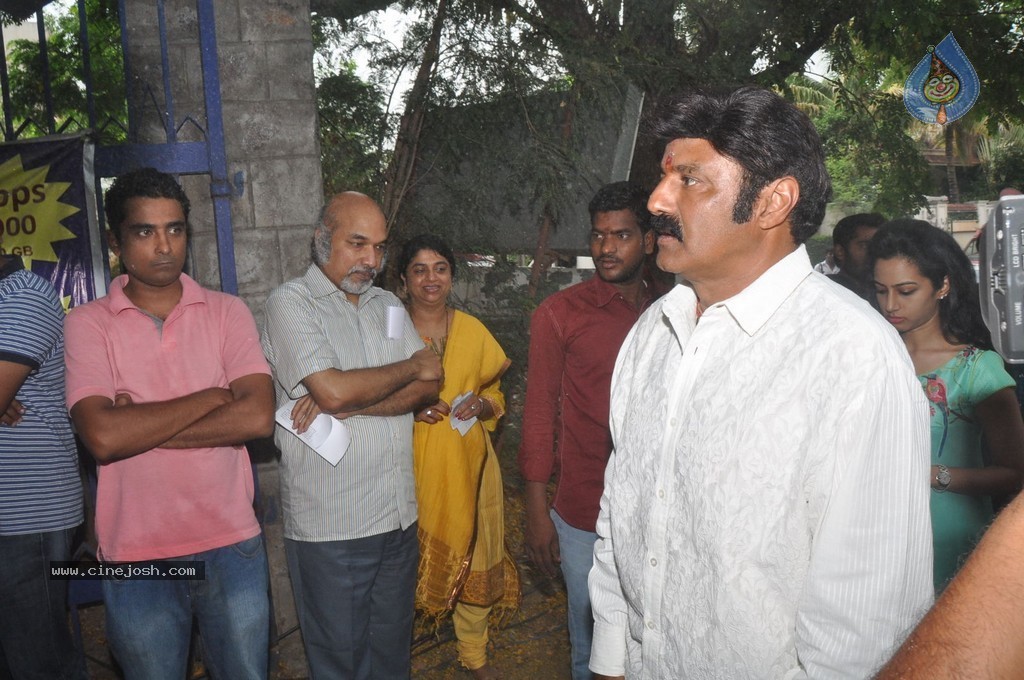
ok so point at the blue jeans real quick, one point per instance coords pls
(149, 623)
(576, 548)
(355, 604)
(35, 641)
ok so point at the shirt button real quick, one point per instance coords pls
(654, 562)
(650, 625)
(661, 493)
(673, 422)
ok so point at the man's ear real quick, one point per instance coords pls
(649, 242)
(776, 203)
(839, 255)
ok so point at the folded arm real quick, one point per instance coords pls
(391, 389)
(413, 397)
(249, 415)
(116, 431)
(12, 375)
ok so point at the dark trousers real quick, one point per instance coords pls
(355, 604)
(35, 641)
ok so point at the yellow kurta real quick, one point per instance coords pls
(458, 486)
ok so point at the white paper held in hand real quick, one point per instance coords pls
(326, 435)
(461, 425)
(396, 322)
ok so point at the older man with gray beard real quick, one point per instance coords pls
(350, 529)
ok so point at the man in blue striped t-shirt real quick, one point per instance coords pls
(40, 490)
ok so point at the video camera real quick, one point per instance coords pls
(1001, 277)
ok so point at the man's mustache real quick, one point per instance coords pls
(666, 225)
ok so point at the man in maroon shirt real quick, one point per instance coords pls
(575, 336)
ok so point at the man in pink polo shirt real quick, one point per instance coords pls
(165, 383)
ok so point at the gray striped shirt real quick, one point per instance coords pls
(310, 327)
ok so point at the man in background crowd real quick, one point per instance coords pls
(850, 250)
(574, 337)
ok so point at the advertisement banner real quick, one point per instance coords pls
(48, 213)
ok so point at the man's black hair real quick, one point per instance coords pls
(846, 228)
(622, 196)
(141, 183)
(767, 136)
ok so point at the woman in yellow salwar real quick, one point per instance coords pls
(464, 567)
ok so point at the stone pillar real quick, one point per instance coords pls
(270, 126)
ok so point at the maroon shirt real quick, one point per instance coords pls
(575, 336)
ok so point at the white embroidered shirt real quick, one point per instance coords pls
(765, 512)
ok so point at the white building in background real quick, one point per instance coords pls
(26, 30)
(962, 220)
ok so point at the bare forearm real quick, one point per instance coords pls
(249, 416)
(976, 629)
(115, 432)
(337, 391)
(413, 397)
(535, 495)
(994, 480)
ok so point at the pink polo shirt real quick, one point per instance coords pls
(166, 502)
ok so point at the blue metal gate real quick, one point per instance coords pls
(178, 157)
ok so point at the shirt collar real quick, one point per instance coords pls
(191, 293)
(603, 293)
(755, 304)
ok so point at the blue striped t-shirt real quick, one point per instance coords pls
(40, 488)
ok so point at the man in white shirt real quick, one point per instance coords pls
(765, 512)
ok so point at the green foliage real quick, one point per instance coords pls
(1002, 158)
(864, 127)
(869, 154)
(352, 123)
(510, 50)
(67, 79)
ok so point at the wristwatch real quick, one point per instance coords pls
(942, 478)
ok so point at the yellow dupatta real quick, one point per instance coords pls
(458, 486)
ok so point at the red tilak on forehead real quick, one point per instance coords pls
(667, 160)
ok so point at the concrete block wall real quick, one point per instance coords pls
(268, 97)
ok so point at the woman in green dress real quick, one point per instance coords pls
(925, 287)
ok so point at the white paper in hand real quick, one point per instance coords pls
(326, 435)
(396, 323)
(461, 425)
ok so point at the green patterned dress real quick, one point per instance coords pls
(954, 390)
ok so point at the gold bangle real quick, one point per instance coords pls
(496, 410)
